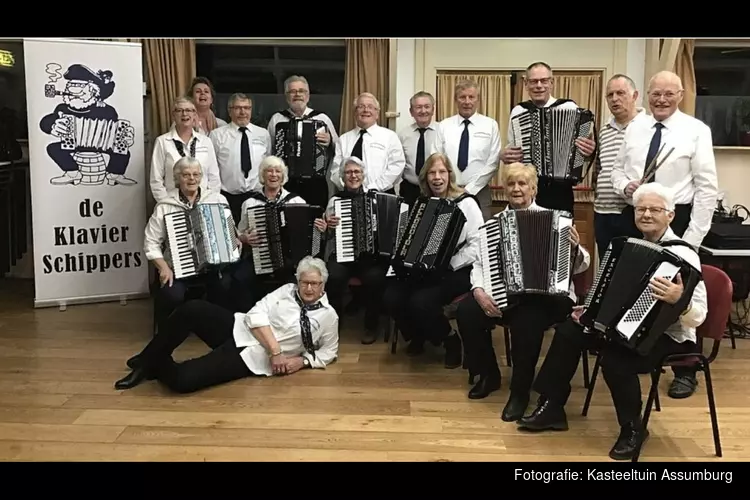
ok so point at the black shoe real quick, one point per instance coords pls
(627, 441)
(415, 348)
(370, 336)
(487, 385)
(515, 408)
(133, 379)
(453, 351)
(546, 416)
(134, 362)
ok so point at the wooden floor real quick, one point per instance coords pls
(57, 402)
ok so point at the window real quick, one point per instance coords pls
(259, 70)
(13, 89)
(722, 76)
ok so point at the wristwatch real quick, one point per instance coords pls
(305, 362)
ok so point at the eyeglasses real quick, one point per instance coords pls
(653, 210)
(312, 284)
(185, 111)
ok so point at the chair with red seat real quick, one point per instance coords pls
(719, 297)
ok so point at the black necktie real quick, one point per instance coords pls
(357, 150)
(245, 160)
(304, 323)
(420, 150)
(653, 149)
(463, 148)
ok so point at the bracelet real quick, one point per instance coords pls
(271, 355)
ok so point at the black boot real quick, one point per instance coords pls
(134, 361)
(630, 435)
(515, 407)
(487, 385)
(134, 378)
(546, 416)
(453, 350)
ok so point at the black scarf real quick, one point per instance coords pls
(181, 148)
(304, 323)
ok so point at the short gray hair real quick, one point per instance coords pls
(182, 164)
(296, 78)
(659, 190)
(312, 264)
(273, 162)
(629, 81)
(356, 161)
(238, 96)
(369, 96)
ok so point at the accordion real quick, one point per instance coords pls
(288, 233)
(370, 224)
(526, 252)
(620, 304)
(201, 238)
(429, 239)
(295, 143)
(101, 134)
(547, 138)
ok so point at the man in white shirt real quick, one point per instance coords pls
(472, 142)
(379, 147)
(314, 189)
(620, 365)
(291, 329)
(621, 97)
(683, 147)
(418, 140)
(553, 193)
(240, 148)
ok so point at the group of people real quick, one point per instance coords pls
(282, 323)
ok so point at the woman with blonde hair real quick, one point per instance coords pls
(528, 319)
(417, 305)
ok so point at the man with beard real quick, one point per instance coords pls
(418, 140)
(84, 96)
(297, 90)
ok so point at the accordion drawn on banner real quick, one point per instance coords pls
(288, 232)
(547, 138)
(370, 224)
(526, 252)
(200, 239)
(430, 238)
(295, 143)
(620, 305)
(99, 134)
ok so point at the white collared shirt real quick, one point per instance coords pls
(165, 155)
(254, 202)
(474, 220)
(690, 170)
(484, 149)
(580, 265)
(219, 123)
(383, 157)
(279, 118)
(155, 234)
(606, 200)
(409, 137)
(279, 311)
(227, 141)
(684, 328)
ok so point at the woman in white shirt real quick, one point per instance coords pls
(182, 140)
(187, 174)
(417, 304)
(529, 317)
(291, 329)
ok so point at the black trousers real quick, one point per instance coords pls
(555, 194)
(620, 367)
(606, 228)
(417, 306)
(235, 204)
(241, 287)
(213, 325)
(371, 273)
(168, 298)
(313, 190)
(409, 192)
(527, 322)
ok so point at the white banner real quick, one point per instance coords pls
(88, 181)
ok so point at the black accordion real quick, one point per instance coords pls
(430, 238)
(288, 232)
(620, 305)
(526, 252)
(370, 224)
(200, 239)
(547, 138)
(295, 143)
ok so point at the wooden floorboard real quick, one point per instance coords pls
(57, 403)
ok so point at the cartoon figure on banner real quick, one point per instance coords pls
(94, 143)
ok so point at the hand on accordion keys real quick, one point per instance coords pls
(323, 137)
(251, 238)
(320, 225)
(586, 146)
(332, 221)
(667, 291)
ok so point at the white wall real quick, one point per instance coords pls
(405, 85)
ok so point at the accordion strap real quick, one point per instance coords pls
(292, 116)
(676, 243)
